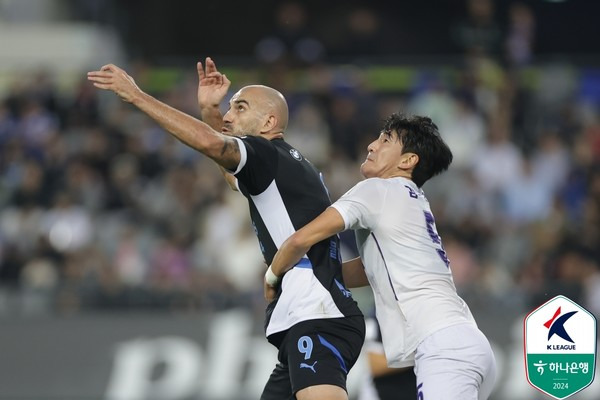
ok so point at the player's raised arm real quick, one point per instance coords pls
(189, 130)
(212, 89)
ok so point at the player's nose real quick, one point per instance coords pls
(371, 146)
(227, 117)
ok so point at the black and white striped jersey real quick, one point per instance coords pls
(285, 192)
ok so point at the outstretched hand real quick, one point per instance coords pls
(212, 85)
(111, 77)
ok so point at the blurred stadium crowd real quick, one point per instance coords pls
(101, 209)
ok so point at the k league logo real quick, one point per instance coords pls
(557, 327)
(560, 347)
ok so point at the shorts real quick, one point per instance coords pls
(399, 385)
(455, 363)
(315, 352)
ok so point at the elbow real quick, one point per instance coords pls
(298, 243)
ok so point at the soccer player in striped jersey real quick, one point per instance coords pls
(313, 320)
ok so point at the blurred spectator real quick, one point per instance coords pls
(30, 192)
(170, 264)
(432, 99)
(291, 42)
(363, 34)
(520, 37)
(479, 32)
(464, 132)
(129, 260)
(498, 161)
(308, 126)
(527, 198)
(83, 109)
(346, 126)
(36, 124)
(68, 226)
(7, 123)
(550, 162)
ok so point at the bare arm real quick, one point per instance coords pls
(212, 89)
(329, 223)
(354, 273)
(229, 178)
(212, 116)
(221, 148)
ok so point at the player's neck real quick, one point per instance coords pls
(398, 174)
(272, 135)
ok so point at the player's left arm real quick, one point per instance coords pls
(196, 134)
(354, 274)
(329, 223)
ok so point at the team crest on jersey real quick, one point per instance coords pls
(296, 154)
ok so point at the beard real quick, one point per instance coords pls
(239, 130)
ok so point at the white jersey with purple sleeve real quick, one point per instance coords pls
(404, 261)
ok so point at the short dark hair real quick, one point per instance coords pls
(420, 135)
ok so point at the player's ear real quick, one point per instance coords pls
(408, 161)
(269, 123)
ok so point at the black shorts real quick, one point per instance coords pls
(315, 352)
(400, 385)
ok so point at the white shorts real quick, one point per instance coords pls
(455, 363)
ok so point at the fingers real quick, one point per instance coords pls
(210, 65)
(100, 74)
(209, 82)
(209, 76)
(103, 79)
(100, 79)
(109, 67)
(216, 77)
(103, 76)
(200, 70)
(212, 79)
(104, 86)
(226, 80)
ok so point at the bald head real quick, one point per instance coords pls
(256, 110)
(270, 101)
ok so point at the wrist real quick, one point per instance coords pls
(270, 278)
(139, 97)
(210, 107)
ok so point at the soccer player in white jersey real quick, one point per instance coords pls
(423, 320)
